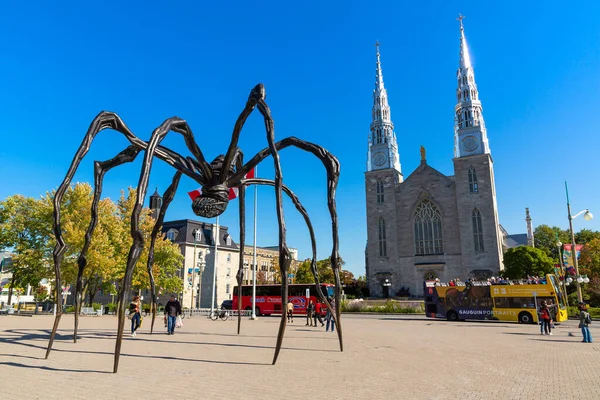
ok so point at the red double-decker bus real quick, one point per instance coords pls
(268, 297)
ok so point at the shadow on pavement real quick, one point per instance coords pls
(43, 367)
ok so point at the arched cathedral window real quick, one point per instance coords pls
(477, 231)
(473, 188)
(382, 245)
(428, 229)
(380, 198)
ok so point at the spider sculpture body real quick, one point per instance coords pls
(216, 178)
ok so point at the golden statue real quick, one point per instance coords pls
(422, 153)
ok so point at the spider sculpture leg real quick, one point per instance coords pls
(242, 215)
(332, 167)
(284, 253)
(177, 125)
(103, 121)
(100, 169)
(167, 198)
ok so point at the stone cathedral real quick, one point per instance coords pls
(428, 225)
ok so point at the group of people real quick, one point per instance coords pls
(547, 316)
(314, 313)
(172, 311)
(531, 280)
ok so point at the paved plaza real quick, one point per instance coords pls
(385, 357)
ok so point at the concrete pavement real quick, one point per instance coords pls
(385, 357)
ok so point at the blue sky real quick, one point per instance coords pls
(537, 70)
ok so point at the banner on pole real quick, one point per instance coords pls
(568, 257)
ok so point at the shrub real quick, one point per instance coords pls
(111, 307)
(96, 306)
(70, 309)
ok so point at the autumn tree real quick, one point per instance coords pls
(26, 228)
(589, 264)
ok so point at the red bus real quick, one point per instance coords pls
(268, 297)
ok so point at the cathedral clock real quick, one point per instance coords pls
(379, 159)
(469, 143)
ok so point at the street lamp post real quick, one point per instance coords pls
(587, 216)
(195, 233)
(201, 264)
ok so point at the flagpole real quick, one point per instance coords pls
(254, 256)
(214, 297)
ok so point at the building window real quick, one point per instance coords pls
(477, 231)
(228, 257)
(473, 180)
(382, 245)
(171, 234)
(428, 229)
(227, 288)
(379, 192)
(378, 136)
(228, 272)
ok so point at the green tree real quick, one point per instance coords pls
(523, 261)
(325, 273)
(545, 239)
(585, 236)
(25, 228)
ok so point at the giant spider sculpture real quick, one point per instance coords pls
(216, 178)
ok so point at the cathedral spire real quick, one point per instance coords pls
(378, 73)
(470, 135)
(465, 60)
(383, 148)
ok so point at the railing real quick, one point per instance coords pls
(206, 312)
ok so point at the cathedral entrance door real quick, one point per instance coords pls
(386, 292)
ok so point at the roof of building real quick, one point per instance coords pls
(518, 239)
(184, 233)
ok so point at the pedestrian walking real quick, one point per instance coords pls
(309, 314)
(172, 311)
(290, 311)
(553, 309)
(317, 314)
(545, 313)
(134, 314)
(330, 318)
(584, 323)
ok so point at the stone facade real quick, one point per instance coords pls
(430, 225)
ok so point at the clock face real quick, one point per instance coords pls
(469, 143)
(380, 159)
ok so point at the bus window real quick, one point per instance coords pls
(501, 302)
(521, 302)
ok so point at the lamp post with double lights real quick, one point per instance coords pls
(587, 215)
(196, 234)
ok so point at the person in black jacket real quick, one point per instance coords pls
(172, 310)
(309, 313)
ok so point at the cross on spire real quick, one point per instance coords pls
(460, 18)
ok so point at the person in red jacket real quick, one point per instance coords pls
(317, 314)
